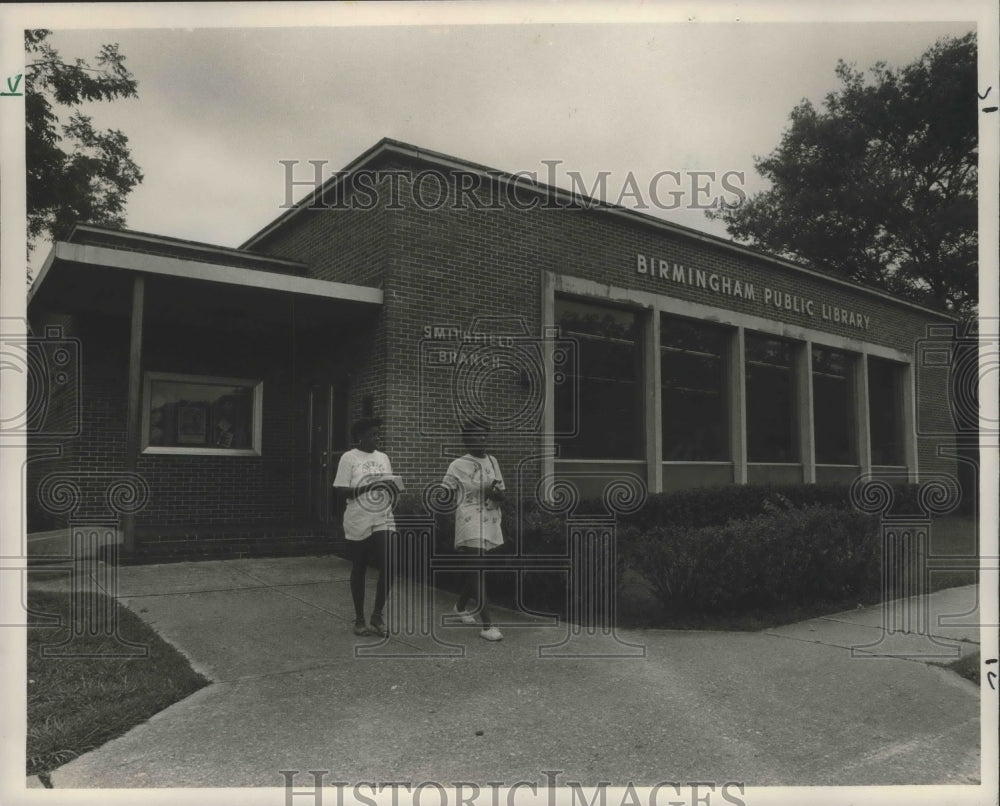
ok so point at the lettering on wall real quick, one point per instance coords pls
(767, 297)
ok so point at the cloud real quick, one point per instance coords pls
(219, 107)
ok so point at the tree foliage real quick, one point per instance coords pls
(879, 185)
(74, 171)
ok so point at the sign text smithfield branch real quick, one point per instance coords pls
(740, 289)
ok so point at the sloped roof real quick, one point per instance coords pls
(386, 148)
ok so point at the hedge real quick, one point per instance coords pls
(709, 506)
(780, 558)
(703, 549)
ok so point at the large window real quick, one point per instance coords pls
(693, 390)
(833, 406)
(771, 420)
(199, 414)
(885, 411)
(607, 409)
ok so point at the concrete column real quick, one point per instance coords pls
(133, 415)
(547, 442)
(804, 410)
(653, 403)
(909, 424)
(738, 405)
(862, 427)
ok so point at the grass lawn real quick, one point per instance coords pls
(955, 536)
(75, 703)
(968, 666)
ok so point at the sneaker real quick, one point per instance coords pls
(464, 615)
(360, 628)
(378, 626)
(491, 634)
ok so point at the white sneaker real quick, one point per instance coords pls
(464, 615)
(492, 634)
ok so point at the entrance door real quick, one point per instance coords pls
(327, 439)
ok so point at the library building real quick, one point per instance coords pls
(197, 397)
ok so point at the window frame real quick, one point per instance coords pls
(897, 372)
(792, 369)
(724, 359)
(638, 381)
(256, 416)
(851, 360)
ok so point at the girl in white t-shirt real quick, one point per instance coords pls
(365, 479)
(479, 488)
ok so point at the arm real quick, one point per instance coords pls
(349, 493)
(342, 482)
(496, 491)
(449, 493)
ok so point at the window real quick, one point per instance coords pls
(833, 406)
(885, 409)
(771, 420)
(608, 408)
(201, 415)
(693, 390)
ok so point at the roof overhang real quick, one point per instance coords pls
(64, 256)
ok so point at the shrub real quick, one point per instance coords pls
(710, 549)
(779, 558)
(710, 506)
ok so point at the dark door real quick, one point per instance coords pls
(321, 472)
(327, 442)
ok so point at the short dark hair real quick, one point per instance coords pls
(475, 427)
(363, 426)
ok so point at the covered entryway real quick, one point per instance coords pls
(214, 387)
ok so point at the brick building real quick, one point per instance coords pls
(211, 389)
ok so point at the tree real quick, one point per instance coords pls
(880, 185)
(74, 172)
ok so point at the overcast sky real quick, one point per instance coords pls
(218, 108)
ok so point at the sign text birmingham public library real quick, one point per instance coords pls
(721, 284)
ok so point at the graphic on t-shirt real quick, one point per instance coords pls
(477, 518)
(373, 467)
(372, 510)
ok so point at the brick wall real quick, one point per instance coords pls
(56, 394)
(187, 489)
(345, 246)
(457, 337)
(190, 488)
(447, 268)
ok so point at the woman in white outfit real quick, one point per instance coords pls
(364, 476)
(478, 484)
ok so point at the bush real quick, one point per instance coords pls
(703, 550)
(711, 506)
(528, 530)
(780, 558)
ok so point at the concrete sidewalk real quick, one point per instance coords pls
(294, 689)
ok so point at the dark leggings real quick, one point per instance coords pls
(474, 587)
(368, 552)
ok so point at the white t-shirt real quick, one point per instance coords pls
(477, 520)
(371, 511)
